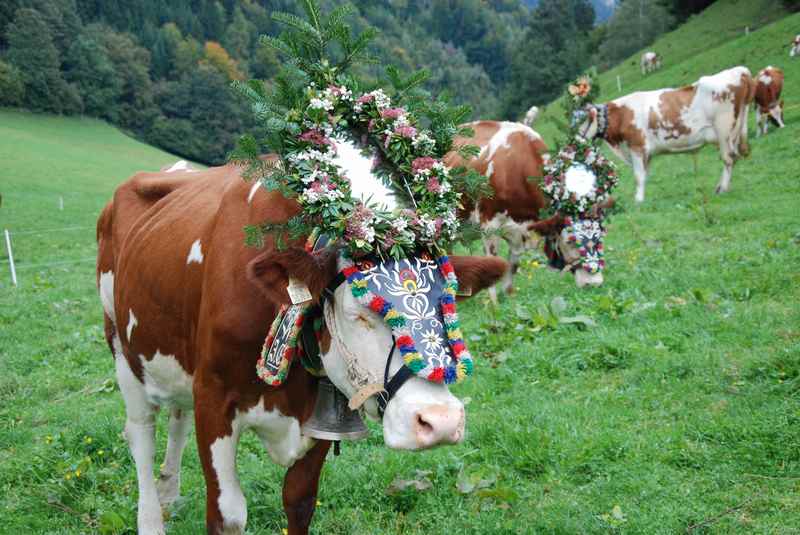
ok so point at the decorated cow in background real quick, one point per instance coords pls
(513, 158)
(767, 100)
(641, 125)
(359, 293)
(650, 62)
(794, 46)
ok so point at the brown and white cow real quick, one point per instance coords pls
(649, 62)
(794, 46)
(187, 307)
(646, 123)
(768, 102)
(512, 157)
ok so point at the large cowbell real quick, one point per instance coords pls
(414, 287)
(332, 418)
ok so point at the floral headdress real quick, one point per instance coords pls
(579, 181)
(315, 109)
(316, 106)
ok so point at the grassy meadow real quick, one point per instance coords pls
(676, 410)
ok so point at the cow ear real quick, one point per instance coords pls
(476, 273)
(270, 272)
(548, 226)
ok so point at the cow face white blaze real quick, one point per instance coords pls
(422, 414)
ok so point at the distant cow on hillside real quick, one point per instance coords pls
(640, 125)
(530, 116)
(650, 62)
(768, 102)
(794, 49)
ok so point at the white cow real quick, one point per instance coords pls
(640, 125)
(795, 46)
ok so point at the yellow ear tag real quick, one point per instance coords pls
(298, 292)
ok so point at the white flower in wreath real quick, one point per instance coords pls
(422, 139)
(580, 180)
(432, 340)
(400, 224)
(321, 104)
(382, 101)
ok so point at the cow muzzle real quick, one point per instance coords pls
(409, 424)
(584, 278)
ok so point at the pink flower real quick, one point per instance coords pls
(363, 99)
(406, 131)
(371, 125)
(433, 185)
(335, 90)
(316, 137)
(422, 163)
(376, 161)
(392, 113)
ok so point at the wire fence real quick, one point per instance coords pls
(40, 263)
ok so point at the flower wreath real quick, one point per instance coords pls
(579, 178)
(405, 159)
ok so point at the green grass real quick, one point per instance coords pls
(680, 408)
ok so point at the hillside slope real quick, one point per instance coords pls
(709, 42)
(80, 160)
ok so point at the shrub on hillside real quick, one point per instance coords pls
(11, 86)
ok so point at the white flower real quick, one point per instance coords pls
(400, 224)
(444, 187)
(321, 104)
(423, 139)
(381, 99)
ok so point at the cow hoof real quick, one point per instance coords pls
(168, 491)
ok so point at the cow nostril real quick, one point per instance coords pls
(423, 426)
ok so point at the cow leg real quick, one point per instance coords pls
(140, 431)
(727, 169)
(778, 116)
(513, 267)
(640, 172)
(218, 432)
(300, 488)
(759, 125)
(169, 481)
(490, 248)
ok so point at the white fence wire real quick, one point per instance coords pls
(14, 268)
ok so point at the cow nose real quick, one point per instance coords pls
(439, 424)
(584, 278)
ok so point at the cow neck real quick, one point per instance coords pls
(602, 120)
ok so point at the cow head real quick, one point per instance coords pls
(422, 413)
(589, 121)
(576, 244)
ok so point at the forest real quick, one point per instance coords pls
(161, 69)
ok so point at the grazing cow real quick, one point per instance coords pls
(650, 62)
(531, 116)
(768, 102)
(187, 307)
(646, 123)
(794, 49)
(512, 157)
